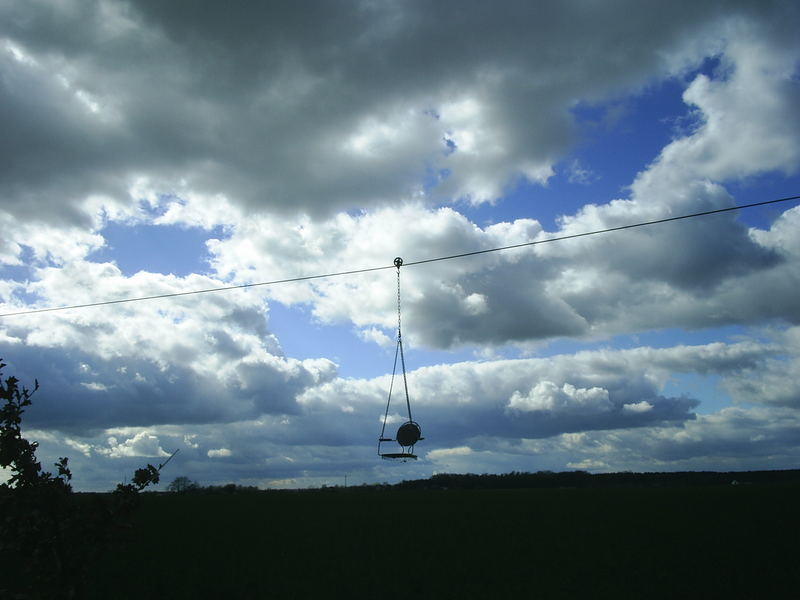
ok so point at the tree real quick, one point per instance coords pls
(182, 484)
(47, 537)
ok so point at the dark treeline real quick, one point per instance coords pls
(229, 488)
(583, 479)
(539, 479)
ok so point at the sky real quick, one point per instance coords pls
(153, 148)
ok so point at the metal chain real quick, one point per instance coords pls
(399, 335)
(398, 262)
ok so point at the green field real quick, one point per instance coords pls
(720, 541)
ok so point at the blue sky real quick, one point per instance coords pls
(277, 146)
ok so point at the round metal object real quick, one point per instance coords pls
(398, 262)
(408, 434)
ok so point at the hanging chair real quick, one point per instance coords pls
(409, 433)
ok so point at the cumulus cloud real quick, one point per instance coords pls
(150, 363)
(704, 272)
(734, 438)
(531, 398)
(139, 445)
(319, 107)
(603, 410)
(638, 407)
(710, 272)
(547, 396)
(772, 381)
(219, 453)
(376, 336)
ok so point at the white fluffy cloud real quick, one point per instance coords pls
(211, 359)
(142, 444)
(323, 107)
(547, 396)
(714, 271)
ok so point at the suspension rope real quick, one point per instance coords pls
(389, 400)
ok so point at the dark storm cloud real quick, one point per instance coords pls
(510, 305)
(260, 103)
(734, 436)
(81, 394)
(599, 410)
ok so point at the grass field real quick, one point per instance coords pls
(700, 542)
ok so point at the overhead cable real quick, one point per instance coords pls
(407, 264)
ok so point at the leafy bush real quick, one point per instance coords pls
(47, 535)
